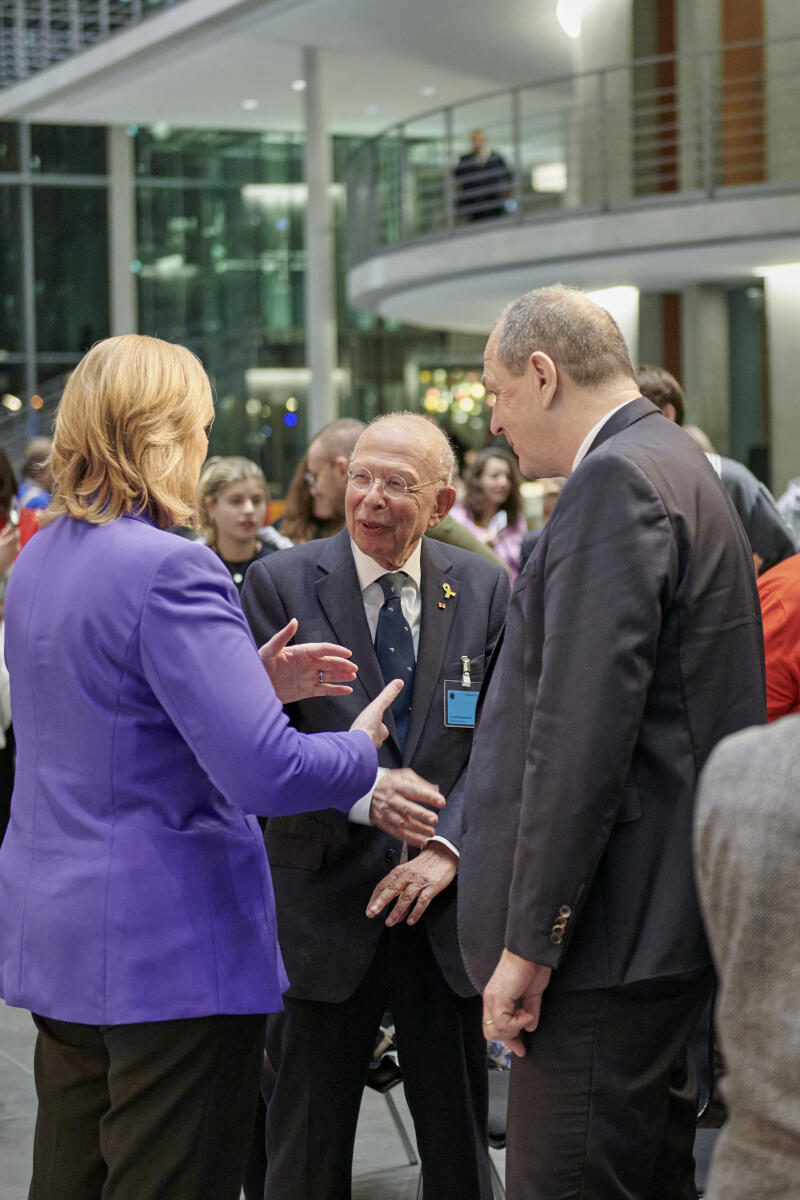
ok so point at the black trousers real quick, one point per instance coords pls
(598, 1109)
(161, 1110)
(321, 1053)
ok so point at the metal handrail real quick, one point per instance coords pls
(36, 36)
(666, 127)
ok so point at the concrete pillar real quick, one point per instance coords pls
(28, 282)
(782, 301)
(123, 315)
(781, 22)
(606, 40)
(699, 27)
(623, 305)
(704, 321)
(320, 293)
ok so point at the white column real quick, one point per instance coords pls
(28, 282)
(782, 302)
(699, 28)
(606, 39)
(782, 23)
(706, 364)
(320, 293)
(623, 305)
(121, 231)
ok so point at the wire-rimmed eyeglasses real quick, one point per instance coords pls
(394, 486)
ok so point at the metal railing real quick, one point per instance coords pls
(35, 34)
(658, 129)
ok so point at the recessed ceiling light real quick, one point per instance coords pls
(298, 85)
(371, 109)
(570, 14)
(427, 90)
(249, 105)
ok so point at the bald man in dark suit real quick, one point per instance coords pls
(632, 645)
(337, 878)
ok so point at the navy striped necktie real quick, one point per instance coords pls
(394, 647)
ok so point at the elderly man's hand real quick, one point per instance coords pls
(415, 883)
(512, 1000)
(398, 806)
(304, 671)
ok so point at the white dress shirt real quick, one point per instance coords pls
(369, 572)
(583, 449)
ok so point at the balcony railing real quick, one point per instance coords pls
(670, 128)
(35, 34)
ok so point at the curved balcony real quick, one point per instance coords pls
(661, 173)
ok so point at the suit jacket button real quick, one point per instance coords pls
(390, 855)
(556, 938)
(565, 911)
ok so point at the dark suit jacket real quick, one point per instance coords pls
(325, 867)
(632, 645)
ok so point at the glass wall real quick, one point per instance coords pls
(219, 266)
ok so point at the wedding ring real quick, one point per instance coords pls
(321, 676)
(489, 1022)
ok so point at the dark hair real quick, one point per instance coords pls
(474, 499)
(661, 388)
(299, 523)
(8, 482)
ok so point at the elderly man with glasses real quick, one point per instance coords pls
(366, 921)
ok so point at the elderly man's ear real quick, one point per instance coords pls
(445, 499)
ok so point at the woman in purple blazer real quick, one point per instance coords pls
(136, 910)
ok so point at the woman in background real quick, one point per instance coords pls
(232, 506)
(137, 919)
(492, 505)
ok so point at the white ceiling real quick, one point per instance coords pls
(380, 54)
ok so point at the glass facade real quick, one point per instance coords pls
(10, 271)
(70, 254)
(219, 265)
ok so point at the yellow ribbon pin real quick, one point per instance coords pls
(448, 591)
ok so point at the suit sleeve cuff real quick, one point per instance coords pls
(359, 813)
(445, 842)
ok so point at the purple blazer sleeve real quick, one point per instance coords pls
(200, 659)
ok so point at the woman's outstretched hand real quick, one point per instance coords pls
(312, 669)
(370, 719)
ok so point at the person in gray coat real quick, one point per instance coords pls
(747, 843)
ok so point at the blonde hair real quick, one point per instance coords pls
(122, 426)
(217, 474)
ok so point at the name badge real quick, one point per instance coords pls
(460, 703)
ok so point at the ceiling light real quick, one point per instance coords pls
(570, 15)
(249, 105)
(371, 109)
(298, 85)
(427, 90)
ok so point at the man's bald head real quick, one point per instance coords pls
(423, 432)
(580, 337)
(386, 521)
